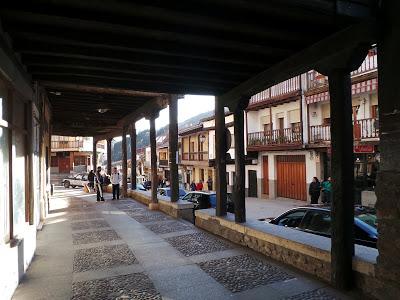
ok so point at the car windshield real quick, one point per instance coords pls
(182, 193)
(370, 219)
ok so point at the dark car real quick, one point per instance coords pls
(147, 184)
(317, 220)
(167, 192)
(202, 200)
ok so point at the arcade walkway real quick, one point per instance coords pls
(121, 250)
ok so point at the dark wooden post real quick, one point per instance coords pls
(109, 156)
(153, 157)
(388, 180)
(239, 194)
(173, 147)
(133, 156)
(94, 156)
(343, 178)
(220, 157)
(124, 190)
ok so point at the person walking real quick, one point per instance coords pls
(91, 180)
(314, 190)
(192, 186)
(115, 181)
(99, 184)
(327, 190)
(210, 183)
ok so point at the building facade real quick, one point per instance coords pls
(74, 154)
(288, 129)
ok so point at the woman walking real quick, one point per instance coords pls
(314, 190)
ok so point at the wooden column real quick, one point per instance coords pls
(153, 157)
(124, 159)
(133, 156)
(220, 157)
(94, 155)
(173, 147)
(10, 113)
(388, 179)
(342, 165)
(109, 171)
(239, 191)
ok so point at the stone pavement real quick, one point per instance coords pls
(121, 250)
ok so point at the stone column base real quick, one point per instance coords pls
(154, 206)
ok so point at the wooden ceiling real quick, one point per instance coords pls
(180, 47)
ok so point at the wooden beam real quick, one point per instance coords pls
(313, 57)
(124, 164)
(220, 157)
(133, 155)
(153, 159)
(173, 147)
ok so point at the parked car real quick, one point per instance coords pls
(317, 220)
(75, 180)
(140, 187)
(147, 185)
(167, 192)
(202, 200)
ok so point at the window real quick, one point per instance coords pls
(292, 219)
(317, 221)
(227, 178)
(296, 127)
(267, 128)
(374, 112)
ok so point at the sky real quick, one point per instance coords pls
(188, 107)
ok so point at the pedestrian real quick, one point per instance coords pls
(314, 190)
(210, 183)
(99, 184)
(327, 190)
(199, 186)
(115, 181)
(192, 186)
(91, 180)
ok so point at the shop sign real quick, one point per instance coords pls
(364, 149)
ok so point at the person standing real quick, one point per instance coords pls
(327, 190)
(115, 181)
(199, 186)
(314, 190)
(210, 183)
(192, 186)
(99, 184)
(91, 180)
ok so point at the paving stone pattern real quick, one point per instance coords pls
(318, 294)
(94, 237)
(131, 286)
(148, 217)
(243, 272)
(197, 243)
(89, 224)
(134, 211)
(103, 257)
(173, 226)
(86, 216)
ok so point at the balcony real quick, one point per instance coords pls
(276, 137)
(362, 130)
(66, 145)
(195, 156)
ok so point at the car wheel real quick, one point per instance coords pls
(66, 184)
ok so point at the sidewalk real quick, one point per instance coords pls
(121, 250)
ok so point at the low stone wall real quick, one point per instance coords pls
(298, 249)
(180, 209)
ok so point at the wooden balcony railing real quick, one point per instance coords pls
(195, 156)
(163, 162)
(362, 129)
(66, 145)
(285, 136)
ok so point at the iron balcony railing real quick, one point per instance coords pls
(285, 136)
(362, 129)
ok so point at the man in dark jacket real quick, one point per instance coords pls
(91, 180)
(99, 184)
(314, 190)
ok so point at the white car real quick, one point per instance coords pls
(75, 180)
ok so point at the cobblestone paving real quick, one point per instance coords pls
(94, 237)
(87, 216)
(128, 206)
(318, 294)
(103, 257)
(197, 243)
(148, 217)
(134, 211)
(89, 224)
(131, 286)
(173, 226)
(243, 272)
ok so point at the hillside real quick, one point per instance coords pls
(143, 137)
